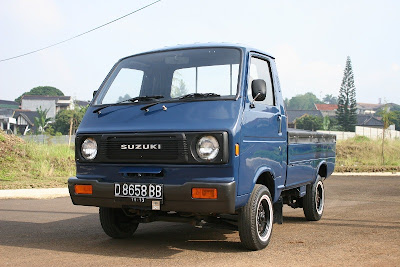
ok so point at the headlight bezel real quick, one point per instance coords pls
(89, 141)
(222, 155)
(212, 143)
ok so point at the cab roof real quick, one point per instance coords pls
(243, 48)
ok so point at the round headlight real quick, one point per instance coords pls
(207, 147)
(89, 148)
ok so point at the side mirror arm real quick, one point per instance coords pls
(254, 99)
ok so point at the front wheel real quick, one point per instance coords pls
(116, 224)
(256, 219)
(314, 200)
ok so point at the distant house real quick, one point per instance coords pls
(53, 103)
(8, 104)
(327, 109)
(7, 122)
(369, 121)
(367, 108)
(292, 115)
(25, 120)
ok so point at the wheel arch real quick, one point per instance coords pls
(322, 169)
(265, 176)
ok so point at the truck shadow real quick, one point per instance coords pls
(83, 234)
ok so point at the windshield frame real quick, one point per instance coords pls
(177, 99)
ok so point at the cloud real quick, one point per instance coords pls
(395, 67)
(39, 16)
(299, 75)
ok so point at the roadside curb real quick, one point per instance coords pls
(368, 174)
(50, 193)
(35, 193)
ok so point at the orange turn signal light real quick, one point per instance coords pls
(83, 189)
(237, 150)
(205, 193)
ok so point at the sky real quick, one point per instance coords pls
(310, 40)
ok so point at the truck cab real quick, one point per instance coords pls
(194, 133)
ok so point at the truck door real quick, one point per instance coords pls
(263, 144)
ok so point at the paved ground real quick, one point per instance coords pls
(361, 226)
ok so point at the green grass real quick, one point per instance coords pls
(361, 154)
(31, 165)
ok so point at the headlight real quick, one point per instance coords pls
(89, 148)
(207, 147)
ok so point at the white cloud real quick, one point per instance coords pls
(299, 75)
(37, 16)
(395, 67)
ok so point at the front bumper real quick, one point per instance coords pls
(176, 197)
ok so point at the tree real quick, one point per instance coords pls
(179, 90)
(41, 121)
(346, 112)
(330, 99)
(306, 101)
(123, 98)
(41, 90)
(286, 102)
(387, 118)
(63, 120)
(395, 114)
(326, 123)
(308, 122)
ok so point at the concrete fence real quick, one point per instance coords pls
(372, 133)
(45, 139)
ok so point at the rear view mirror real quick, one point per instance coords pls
(176, 60)
(94, 93)
(258, 89)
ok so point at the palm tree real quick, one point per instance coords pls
(330, 99)
(42, 121)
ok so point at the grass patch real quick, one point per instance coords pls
(361, 154)
(31, 165)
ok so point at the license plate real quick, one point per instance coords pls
(146, 191)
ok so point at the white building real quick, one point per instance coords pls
(53, 103)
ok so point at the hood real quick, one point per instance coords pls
(179, 116)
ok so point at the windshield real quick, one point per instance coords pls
(174, 74)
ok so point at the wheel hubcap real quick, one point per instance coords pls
(319, 197)
(264, 218)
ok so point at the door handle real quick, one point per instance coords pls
(279, 118)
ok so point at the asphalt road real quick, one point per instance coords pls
(360, 226)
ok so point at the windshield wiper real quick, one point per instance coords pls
(198, 95)
(188, 96)
(133, 100)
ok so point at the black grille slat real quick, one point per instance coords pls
(173, 148)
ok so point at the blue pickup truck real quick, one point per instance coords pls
(197, 133)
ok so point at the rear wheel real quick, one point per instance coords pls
(314, 200)
(256, 219)
(116, 224)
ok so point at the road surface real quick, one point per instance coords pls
(360, 226)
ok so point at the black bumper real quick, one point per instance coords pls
(176, 197)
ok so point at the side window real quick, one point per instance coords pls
(259, 69)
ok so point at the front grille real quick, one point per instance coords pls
(144, 148)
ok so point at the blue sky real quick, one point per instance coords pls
(310, 40)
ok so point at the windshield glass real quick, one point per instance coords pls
(173, 74)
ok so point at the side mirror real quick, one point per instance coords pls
(258, 89)
(94, 93)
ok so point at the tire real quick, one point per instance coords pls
(314, 200)
(116, 224)
(256, 219)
